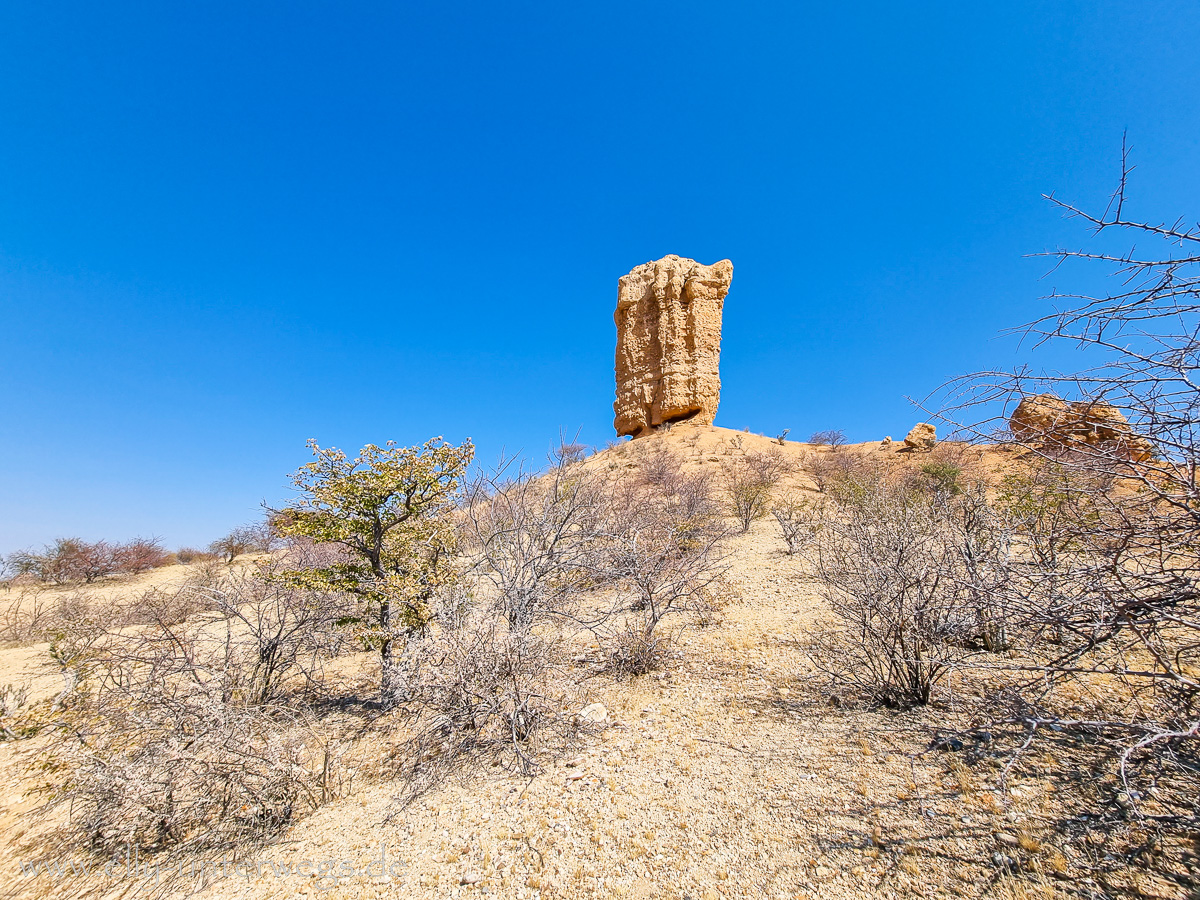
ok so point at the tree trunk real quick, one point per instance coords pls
(389, 687)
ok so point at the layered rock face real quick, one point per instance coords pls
(1048, 421)
(669, 343)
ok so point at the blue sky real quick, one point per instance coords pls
(226, 228)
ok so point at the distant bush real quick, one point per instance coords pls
(830, 438)
(258, 538)
(189, 555)
(69, 560)
(140, 555)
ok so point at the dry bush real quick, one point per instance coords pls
(139, 555)
(829, 438)
(166, 607)
(172, 763)
(37, 614)
(686, 500)
(533, 537)
(258, 538)
(1105, 574)
(25, 617)
(828, 470)
(177, 736)
(189, 555)
(905, 574)
(13, 701)
(660, 468)
(632, 650)
(550, 547)
(749, 481)
(70, 560)
(66, 560)
(283, 630)
(659, 561)
(481, 692)
(800, 520)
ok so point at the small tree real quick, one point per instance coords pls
(388, 507)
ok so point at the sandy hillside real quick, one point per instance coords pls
(726, 776)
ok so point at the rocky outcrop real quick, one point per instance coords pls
(669, 343)
(1047, 421)
(922, 437)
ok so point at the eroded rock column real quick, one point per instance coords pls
(669, 343)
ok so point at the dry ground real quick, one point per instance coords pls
(726, 777)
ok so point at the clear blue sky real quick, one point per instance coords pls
(228, 227)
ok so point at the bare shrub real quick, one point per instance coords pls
(659, 564)
(481, 691)
(13, 701)
(749, 481)
(189, 555)
(550, 546)
(258, 538)
(800, 520)
(177, 735)
(25, 617)
(661, 468)
(175, 763)
(828, 470)
(631, 650)
(534, 536)
(568, 452)
(894, 570)
(1106, 573)
(140, 555)
(158, 606)
(283, 630)
(69, 560)
(828, 438)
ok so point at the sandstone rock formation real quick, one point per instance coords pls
(669, 343)
(922, 437)
(1047, 421)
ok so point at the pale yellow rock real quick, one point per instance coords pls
(595, 713)
(922, 437)
(669, 343)
(1048, 421)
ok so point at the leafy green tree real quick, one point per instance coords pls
(389, 508)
